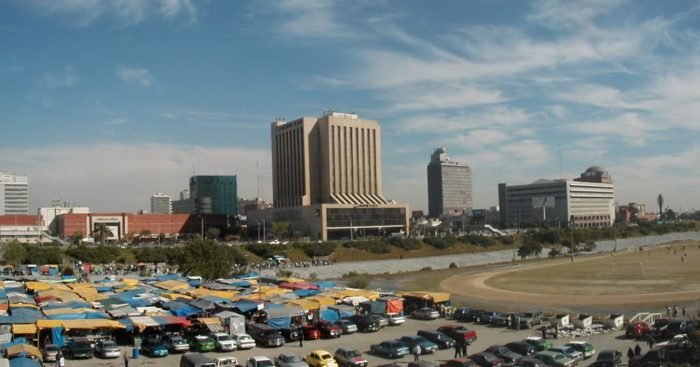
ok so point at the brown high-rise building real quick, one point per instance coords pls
(332, 165)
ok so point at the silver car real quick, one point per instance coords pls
(49, 352)
(107, 349)
(426, 313)
(348, 326)
(290, 360)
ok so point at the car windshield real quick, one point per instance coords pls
(51, 348)
(420, 339)
(82, 344)
(559, 356)
(244, 337)
(265, 364)
(176, 339)
(293, 358)
(109, 344)
(223, 338)
(353, 353)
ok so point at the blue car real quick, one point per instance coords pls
(390, 349)
(426, 346)
(154, 348)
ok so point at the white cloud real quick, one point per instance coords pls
(304, 18)
(477, 139)
(67, 78)
(527, 152)
(83, 13)
(139, 76)
(444, 95)
(629, 127)
(559, 13)
(500, 117)
(121, 177)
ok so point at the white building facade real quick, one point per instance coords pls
(161, 204)
(14, 194)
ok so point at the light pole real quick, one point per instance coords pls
(572, 238)
(257, 221)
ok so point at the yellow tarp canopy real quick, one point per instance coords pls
(75, 286)
(79, 324)
(436, 297)
(37, 286)
(93, 297)
(305, 304)
(210, 320)
(23, 329)
(24, 348)
(67, 310)
(323, 301)
(200, 292)
(174, 296)
(63, 295)
(171, 285)
(130, 281)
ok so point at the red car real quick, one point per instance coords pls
(310, 332)
(328, 330)
(637, 330)
(458, 332)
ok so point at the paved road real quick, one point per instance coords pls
(487, 336)
(464, 260)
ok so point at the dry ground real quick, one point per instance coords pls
(631, 280)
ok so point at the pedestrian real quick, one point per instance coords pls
(465, 344)
(630, 354)
(517, 322)
(668, 311)
(458, 349)
(556, 331)
(301, 338)
(650, 341)
(59, 355)
(126, 360)
(637, 350)
(683, 311)
(544, 332)
(675, 310)
(416, 352)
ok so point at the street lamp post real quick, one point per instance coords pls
(572, 238)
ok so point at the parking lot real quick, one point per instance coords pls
(487, 336)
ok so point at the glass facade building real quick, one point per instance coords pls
(215, 194)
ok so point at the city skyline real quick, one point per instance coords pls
(107, 102)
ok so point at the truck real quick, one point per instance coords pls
(193, 359)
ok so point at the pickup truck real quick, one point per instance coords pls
(458, 332)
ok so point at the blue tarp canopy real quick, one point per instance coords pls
(325, 284)
(306, 292)
(181, 309)
(22, 315)
(15, 342)
(164, 277)
(69, 304)
(79, 316)
(280, 322)
(57, 336)
(24, 362)
(251, 275)
(244, 306)
(216, 299)
(329, 315)
(128, 324)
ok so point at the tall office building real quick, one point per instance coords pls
(161, 204)
(214, 194)
(584, 202)
(327, 177)
(14, 194)
(449, 185)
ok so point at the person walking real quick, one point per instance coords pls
(630, 354)
(416, 352)
(301, 338)
(651, 341)
(458, 349)
(637, 350)
(126, 360)
(58, 359)
(465, 344)
(683, 311)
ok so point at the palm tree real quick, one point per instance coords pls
(101, 232)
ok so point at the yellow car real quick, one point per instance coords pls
(320, 358)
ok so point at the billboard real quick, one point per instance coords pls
(543, 202)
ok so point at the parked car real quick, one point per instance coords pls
(259, 361)
(529, 319)
(425, 313)
(609, 355)
(485, 317)
(538, 343)
(460, 314)
(290, 360)
(459, 362)
(395, 319)
(501, 319)
(472, 315)
(223, 342)
(310, 332)
(290, 334)
(243, 341)
(381, 319)
(426, 346)
(201, 343)
(569, 352)
(637, 330)
(485, 359)
(529, 362)
(390, 349)
(79, 348)
(320, 358)
(365, 323)
(522, 348)
(328, 329)
(226, 361)
(265, 335)
(458, 332)
(587, 349)
(347, 326)
(107, 349)
(154, 348)
(49, 352)
(423, 363)
(350, 357)
(504, 353)
(176, 344)
(554, 359)
(443, 341)
(673, 328)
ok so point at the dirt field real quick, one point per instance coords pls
(635, 280)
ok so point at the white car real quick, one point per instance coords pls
(224, 343)
(396, 319)
(259, 361)
(243, 340)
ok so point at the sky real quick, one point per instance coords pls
(106, 102)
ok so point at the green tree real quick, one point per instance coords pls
(213, 233)
(76, 237)
(101, 233)
(279, 229)
(208, 259)
(15, 253)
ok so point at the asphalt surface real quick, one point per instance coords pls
(487, 336)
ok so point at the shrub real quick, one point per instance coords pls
(317, 249)
(427, 268)
(453, 266)
(438, 243)
(360, 282)
(265, 250)
(373, 246)
(554, 252)
(284, 273)
(407, 244)
(508, 240)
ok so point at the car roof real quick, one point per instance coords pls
(260, 358)
(578, 342)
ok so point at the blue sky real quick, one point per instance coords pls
(105, 102)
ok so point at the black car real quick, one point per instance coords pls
(521, 348)
(79, 348)
(290, 334)
(529, 362)
(504, 353)
(461, 314)
(609, 355)
(673, 328)
(443, 341)
(472, 315)
(485, 317)
(529, 319)
(365, 323)
(485, 359)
